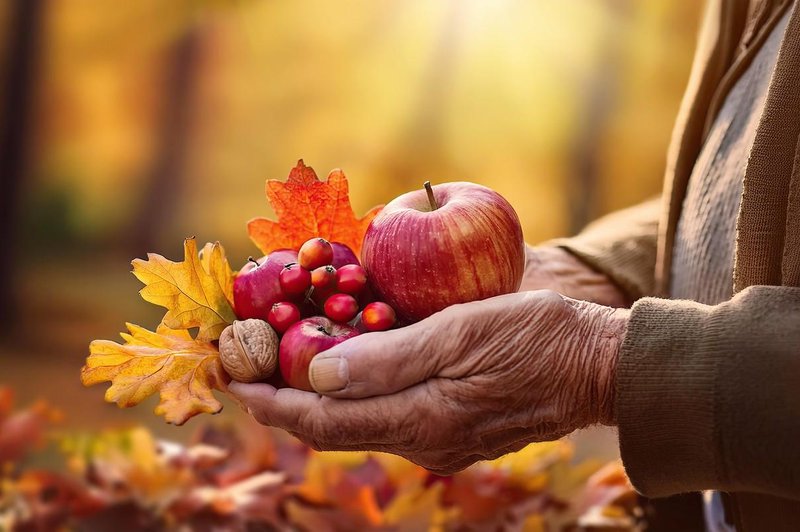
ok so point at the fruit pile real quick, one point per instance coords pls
(326, 275)
(311, 298)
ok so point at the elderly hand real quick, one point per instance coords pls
(554, 268)
(472, 382)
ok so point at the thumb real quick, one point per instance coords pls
(378, 363)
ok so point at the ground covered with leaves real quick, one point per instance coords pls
(254, 478)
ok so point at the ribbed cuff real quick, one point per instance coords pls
(665, 404)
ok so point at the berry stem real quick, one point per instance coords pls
(431, 199)
(254, 261)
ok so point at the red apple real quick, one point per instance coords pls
(343, 255)
(459, 242)
(378, 316)
(282, 316)
(341, 308)
(324, 278)
(257, 286)
(303, 341)
(315, 252)
(351, 279)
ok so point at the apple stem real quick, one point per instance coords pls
(254, 261)
(431, 199)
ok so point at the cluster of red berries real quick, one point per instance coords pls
(336, 292)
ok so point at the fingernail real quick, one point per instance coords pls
(328, 374)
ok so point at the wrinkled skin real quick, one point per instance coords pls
(472, 382)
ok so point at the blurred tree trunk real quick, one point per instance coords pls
(600, 94)
(163, 186)
(23, 30)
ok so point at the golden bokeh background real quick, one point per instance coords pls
(139, 123)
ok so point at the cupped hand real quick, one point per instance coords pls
(472, 382)
(554, 268)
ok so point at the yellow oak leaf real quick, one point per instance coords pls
(215, 263)
(197, 292)
(181, 369)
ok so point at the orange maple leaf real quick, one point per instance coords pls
(181, 369)
(307, 207)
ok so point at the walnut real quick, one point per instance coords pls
(249, 350)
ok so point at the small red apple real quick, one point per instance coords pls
(303, 341)
(282, 316)
(294, 279)
(324, 278)
(341, 307)
(314, 253)
(378, 316)
(351, 279)
(257, 286)
(459, 242)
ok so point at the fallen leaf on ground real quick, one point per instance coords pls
(24, 430)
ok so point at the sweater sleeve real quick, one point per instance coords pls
(622, 245)
(708, 397)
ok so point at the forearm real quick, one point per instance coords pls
(554, 268)
(708, 397)
(621, 246)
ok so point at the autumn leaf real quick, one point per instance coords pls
(215, 263)
(182, 370)
(307, 207)
(23, 431)
(48, 498)
(197, 292)
(244, 495)
(414, 509)
(132, 476)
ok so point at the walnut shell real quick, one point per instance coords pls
(249, 350)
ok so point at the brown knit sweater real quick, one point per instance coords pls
(708, 396)
(702, 258)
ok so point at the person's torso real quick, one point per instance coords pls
(705, 238)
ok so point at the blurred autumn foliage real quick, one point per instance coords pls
(127, 126)
(260, 479)
(147, 113)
